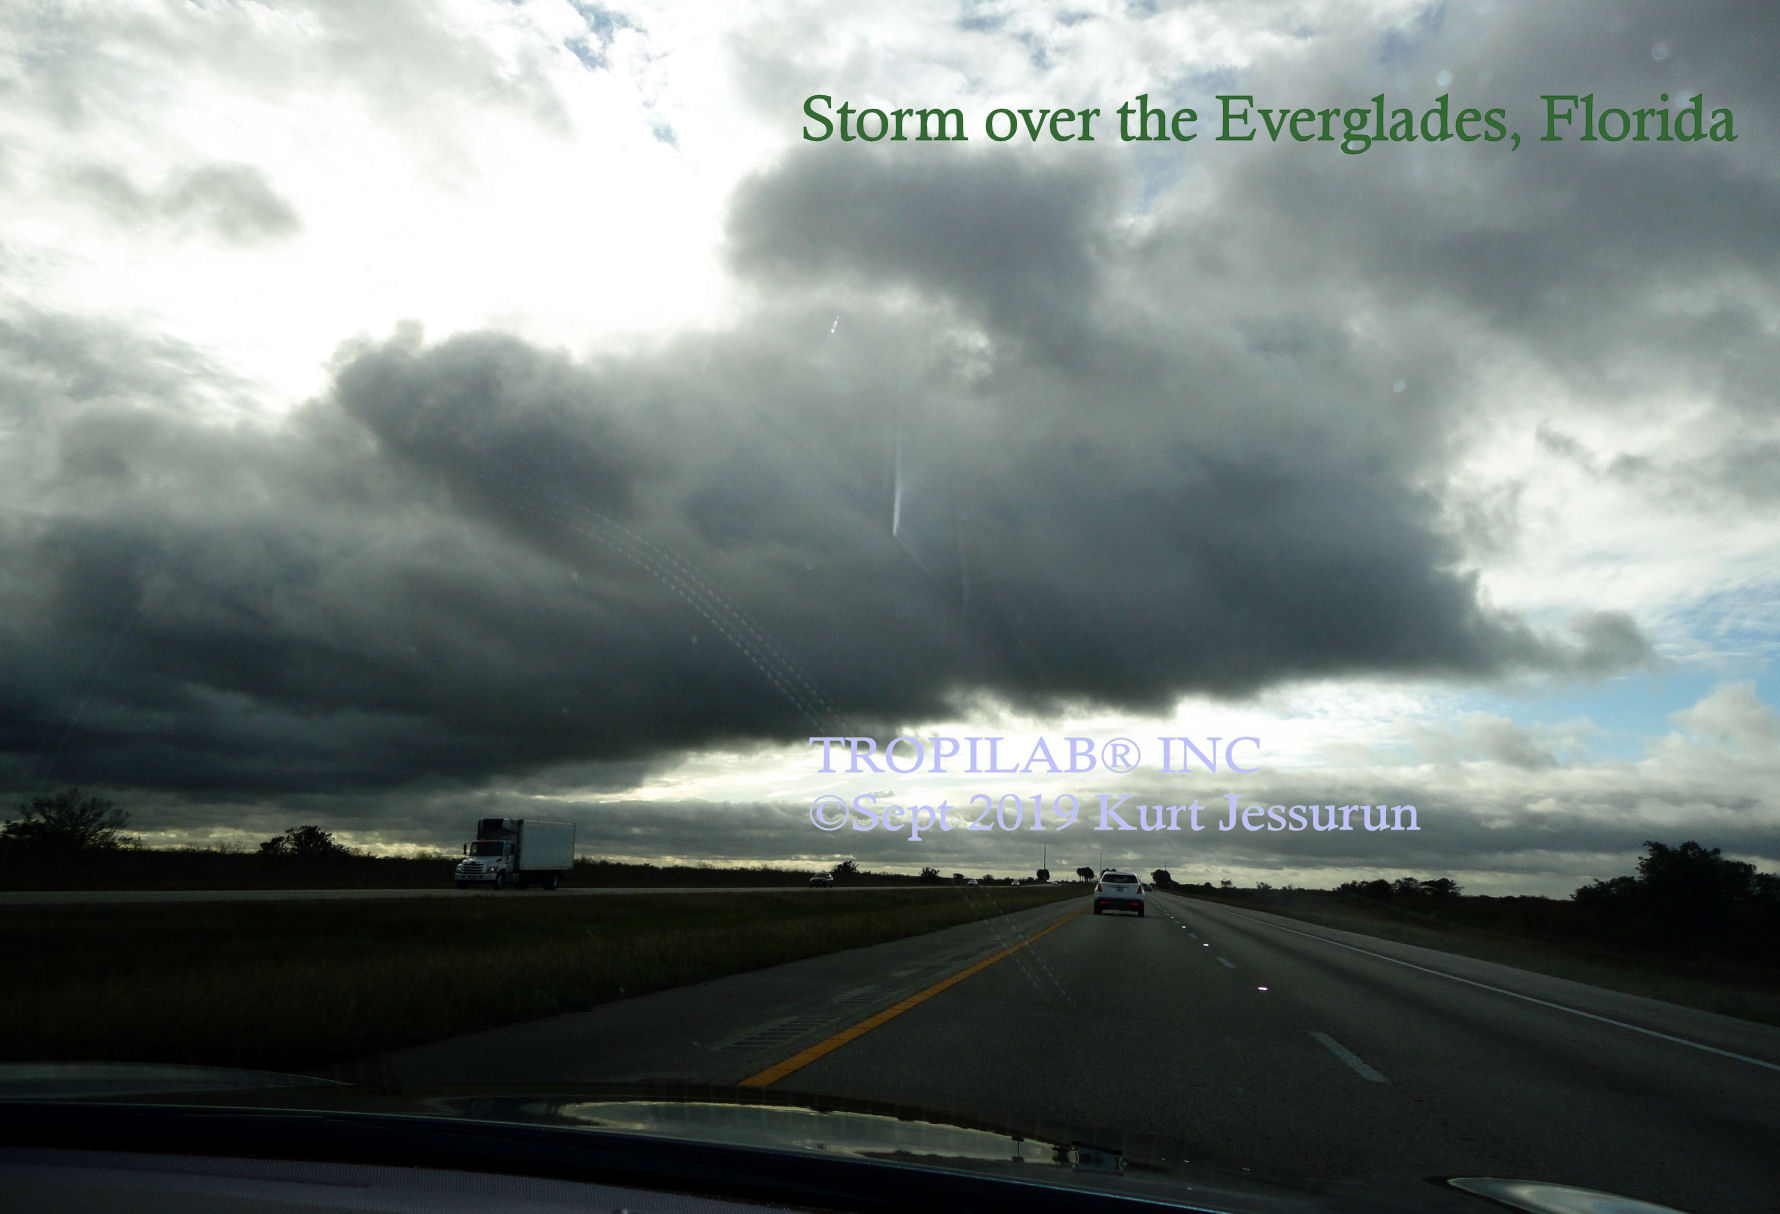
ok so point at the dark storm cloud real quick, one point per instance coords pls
(976, 433)
(1615, 262)
(400, 587)
(480, 558)
(1015, 242)
(496, 422)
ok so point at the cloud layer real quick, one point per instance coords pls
(1067, 430)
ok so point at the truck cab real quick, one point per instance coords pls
(486, 862)
(517, 852)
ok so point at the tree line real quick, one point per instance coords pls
(72, 821)
(1683, 890)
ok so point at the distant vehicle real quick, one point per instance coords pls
(822, 879)
(1015, 881)
(518, 852)
(1118, 891)
(973, 881)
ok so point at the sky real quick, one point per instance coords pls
(424, 411)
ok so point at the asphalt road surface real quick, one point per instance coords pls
(1243, 1040)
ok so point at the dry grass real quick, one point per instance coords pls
(292, 985)
(199, 868)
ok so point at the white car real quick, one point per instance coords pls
(1118, 891)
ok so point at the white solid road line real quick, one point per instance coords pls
(1636, 1028)
(1227, 962)
(1348, 1056)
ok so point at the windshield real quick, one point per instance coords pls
(1196, 579)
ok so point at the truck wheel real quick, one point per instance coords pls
(500, 880)
(553, 880)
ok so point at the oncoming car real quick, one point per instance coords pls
(1118, 891)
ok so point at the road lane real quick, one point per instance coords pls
(1217, 1035)
(1725, 1034)
(828, 1045)
(718, 1032)
(1117, 1022)
(1257, 1045)
(1552, 1078)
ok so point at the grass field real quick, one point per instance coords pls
(292, 985)
(196, 868)
(1733, 986)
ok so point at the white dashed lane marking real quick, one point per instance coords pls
(1348, 1056)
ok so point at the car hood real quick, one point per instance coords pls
(1156, 1174)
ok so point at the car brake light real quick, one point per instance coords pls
(1096, 887)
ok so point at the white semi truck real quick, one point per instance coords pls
(517, 852)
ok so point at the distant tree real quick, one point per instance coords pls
(1616, 893)
(959, 878)
(846, 868)
(1693, 885)
(1085, 873)
(68, 821)
(1043, 874)
(1262, 886)
(1689, 890)
(988, 878)
(1441, 887)
(1224, 884)
(1162, 877)
(1766, 890)
(930, 875)
(304, 843)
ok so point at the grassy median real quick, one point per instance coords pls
(292, 985)
(202, 868)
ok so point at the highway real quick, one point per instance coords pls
(1245, 1040)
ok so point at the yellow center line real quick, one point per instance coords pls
(773, 1074)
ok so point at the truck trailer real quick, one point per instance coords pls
(517, 852)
